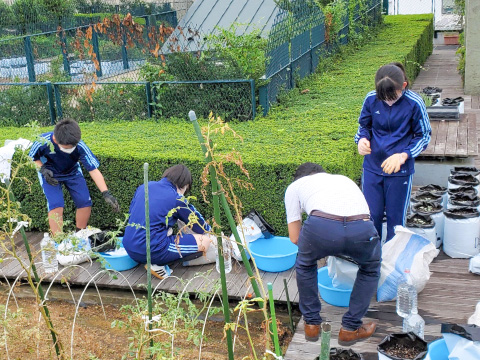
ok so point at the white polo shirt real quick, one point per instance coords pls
(332, 194)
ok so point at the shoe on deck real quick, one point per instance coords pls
(160, 271)
(312, 332)
(347, 338)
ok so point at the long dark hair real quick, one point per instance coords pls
(179, 175)
(388, 80)
(400, 65)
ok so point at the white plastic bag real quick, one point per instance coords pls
(75, 249)
(463, 341)
(474, 265)
(248, 231)
(406, 250)
(475, 318)
(342, 272)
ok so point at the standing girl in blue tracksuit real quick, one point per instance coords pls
(393, 129)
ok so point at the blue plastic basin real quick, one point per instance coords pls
(330, 294)
(274, 254)
(437, 350)
(118, 262)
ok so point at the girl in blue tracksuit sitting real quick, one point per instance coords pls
(164, 196)
(393, 129)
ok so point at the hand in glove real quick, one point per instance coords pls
(393, 163)
(364, 147)
(111, 200)
(48, 175)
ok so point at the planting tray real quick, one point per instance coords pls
(443, 112)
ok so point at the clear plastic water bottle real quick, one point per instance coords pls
(406, 297)
(227, 256)
(414, 323)
(49, 254)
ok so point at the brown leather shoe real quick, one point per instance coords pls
(346, 338)
(312, 332)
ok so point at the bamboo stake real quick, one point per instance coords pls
(278, 351)
(149, 263)
(289, 306)
(325, 342)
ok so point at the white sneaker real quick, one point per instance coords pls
(160, 271)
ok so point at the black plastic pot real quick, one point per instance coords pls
(470, 190)
(462, 179)
(404, 340)
(343, 354)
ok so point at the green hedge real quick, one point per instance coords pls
(315, 125)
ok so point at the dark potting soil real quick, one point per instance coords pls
(344, 355)
(403, 351)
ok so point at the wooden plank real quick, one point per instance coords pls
(475, 102)
(441, 138)
(430, 150)
(462, 136)
(451, 141)
(472, 147)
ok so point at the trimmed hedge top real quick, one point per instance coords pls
(315, 122)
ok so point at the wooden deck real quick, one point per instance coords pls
(136, 278)
(450, 295)
(450, 139)
(453, 138)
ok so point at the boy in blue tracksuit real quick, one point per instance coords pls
(57, 156)
(393, 129)
(164, 196)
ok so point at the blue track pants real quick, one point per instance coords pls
(389, 194)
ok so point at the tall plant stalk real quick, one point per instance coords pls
(216, 214)
(34, 283)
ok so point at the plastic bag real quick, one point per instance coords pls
(422, 225)
(463, 341)
(101, 242)
(253, 227)
(403, 340)
(462, 179)
(406, 250)
(475, 318)
(75, 249)
(435, 211)
(462, 190)
(343, 354)
(436, 189)
(342, 271)
(474, 265)
(461, 232)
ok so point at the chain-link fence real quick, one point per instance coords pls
(302, 35)
(127, 67)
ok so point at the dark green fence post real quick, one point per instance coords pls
(30, 60)
(263, 98)
(254, 103)
(66, 63)
(96, 50)
(385, 7)
(124, 49)
(148, 91)
(58, 100)
(51, 103)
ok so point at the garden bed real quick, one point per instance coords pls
(95, 338)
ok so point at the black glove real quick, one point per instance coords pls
(111, 200)
(48, 175)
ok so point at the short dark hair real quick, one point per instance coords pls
(389, 79)
(400, 65)
(306, 169)
(179, 175)
(67, 132)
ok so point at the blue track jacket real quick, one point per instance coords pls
(402, 127)
(63, 165)
(163, 197)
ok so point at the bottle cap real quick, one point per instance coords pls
(407, 270)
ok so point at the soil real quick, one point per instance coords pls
(94, 338)
(403, 351)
